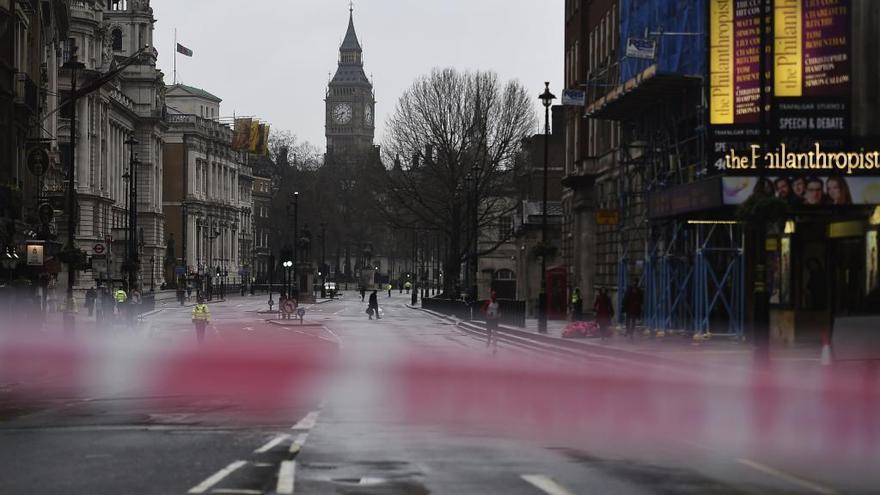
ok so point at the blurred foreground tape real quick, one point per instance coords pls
(259, 375)
(804, 413)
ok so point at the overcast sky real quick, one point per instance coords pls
(271, 58)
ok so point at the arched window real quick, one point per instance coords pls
(116, 37)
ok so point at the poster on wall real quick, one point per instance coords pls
(808, 73)
(832, 190)
(871, 261)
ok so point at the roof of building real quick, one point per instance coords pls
(350, 43)
(350, 74)
(194, 91)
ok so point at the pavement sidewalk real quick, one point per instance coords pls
(675, 347)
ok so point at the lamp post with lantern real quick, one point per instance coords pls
(547, 100)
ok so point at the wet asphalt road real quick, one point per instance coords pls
(353, 439)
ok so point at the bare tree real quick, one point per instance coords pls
(458, 134)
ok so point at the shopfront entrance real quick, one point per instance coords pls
(823, 270)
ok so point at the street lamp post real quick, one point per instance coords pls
(131, 246)
(73, 64)
(152, 273)
(475, 245)
(295, 286)
(323, 273)
(547, 99)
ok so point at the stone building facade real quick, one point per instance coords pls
(129, 105)
(208, 199)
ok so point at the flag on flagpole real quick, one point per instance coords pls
(184, 50)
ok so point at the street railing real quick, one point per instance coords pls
(513, 312)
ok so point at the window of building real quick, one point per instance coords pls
(116, 39)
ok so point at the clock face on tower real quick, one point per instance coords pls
(368, 114)
(342, 113)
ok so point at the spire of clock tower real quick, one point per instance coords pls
(350, 102)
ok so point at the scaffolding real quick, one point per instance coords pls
(694, 278)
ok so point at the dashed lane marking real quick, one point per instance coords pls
(297, 444)
(271, 444)
(216, 477)
(308, 422)
(242, 491)
(546, 484)
(286, 478)
(808, 485)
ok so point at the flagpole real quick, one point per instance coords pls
(175, 55)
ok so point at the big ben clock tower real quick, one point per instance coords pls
(350, 102)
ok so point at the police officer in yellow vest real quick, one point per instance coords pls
(120, 297)
(200, 318)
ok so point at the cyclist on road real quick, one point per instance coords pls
(200, 318)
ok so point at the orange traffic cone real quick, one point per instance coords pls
(825, 358)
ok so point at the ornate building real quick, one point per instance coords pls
(350, 102)
(208, 185)
(351, 154)
(131, 104)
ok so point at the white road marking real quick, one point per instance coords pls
(297, 444)
(242, 491)
(216, 477)
(545, 484)
(308, 422)
(271, 444)
(263, 464)
(809, 485)
(286, 477)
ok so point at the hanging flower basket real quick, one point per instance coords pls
(74, 257)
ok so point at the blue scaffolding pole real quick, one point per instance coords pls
(719, 276)
(668, 275)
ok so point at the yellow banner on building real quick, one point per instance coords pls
(254, 137)
(242, 137)
(721, 65)
(264, 148)
(788, 48)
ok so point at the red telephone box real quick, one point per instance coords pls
(557, 293)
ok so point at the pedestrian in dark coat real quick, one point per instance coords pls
(632, 306)
(91, 295)
(604, 311)
(363, 293)
(373, 306)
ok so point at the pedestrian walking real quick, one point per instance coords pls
(632, 306)
(363, 293)
(407, 286)
(100, 302)
(200, 318)
(181, 294)
(577, 305)
(91, 295)
(604, 312)
(389, 290)
(189, 292)
(373, 306)
(492, 312)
